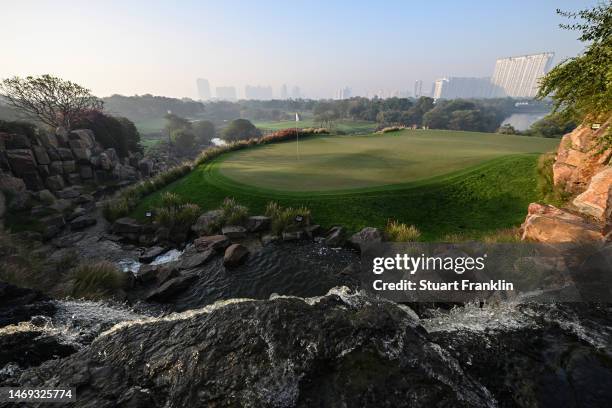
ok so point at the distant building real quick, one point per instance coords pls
(462, 87)
(226, 93)
(418, 88)
(283, 92)
(203, 89)
(518, 77)
(296, 93)
(344, 93)
(261, 93)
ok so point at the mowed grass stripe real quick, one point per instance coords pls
(352, 162)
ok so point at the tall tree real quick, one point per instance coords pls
(49, 99)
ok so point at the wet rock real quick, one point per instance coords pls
(193, 259)
(20, 304)
(293, 235)
(234, 232)
(235, 255)
(258, 223)
(336, 237)
(365, 237)
(60, 205)
(68, 193)
(548, 224)
(52, 225)
(208, 223)
(215, 242)
(170, 288)
(339, 350)
(28, 347)
(313, 230)
(82, 222)
(151, 253)
(268, 239)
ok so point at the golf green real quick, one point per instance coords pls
(336, 163)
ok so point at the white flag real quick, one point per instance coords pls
(297, 117)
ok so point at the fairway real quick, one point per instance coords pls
(335, 163)
(346, 126)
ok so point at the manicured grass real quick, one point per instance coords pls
(346, 126)
(472, 201)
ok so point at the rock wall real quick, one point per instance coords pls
(584, 171)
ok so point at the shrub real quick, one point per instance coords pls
(184, 139)
(284, 219)
(97, 280)
(233, 213)
(547, 191)
(204, 131)
(111, 132)
(176, 215)
(240, 129)
(18, 127)
(399, 232)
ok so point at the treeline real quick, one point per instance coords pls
(137, 108)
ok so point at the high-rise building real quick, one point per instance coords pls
(296, 93)
(283, 92)
(462, 87)
(518, 77)
(261, 93)
(418, 88)
(203, 89)
(226, 93)
(344, 93)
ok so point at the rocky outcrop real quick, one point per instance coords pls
(20, 304)
(339, 350)
(594, 200)
(549, 224)
(578, 158)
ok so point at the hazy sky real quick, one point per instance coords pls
(136, 47)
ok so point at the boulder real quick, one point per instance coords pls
(365, 237)
(60, 205)
(2, 205)
(44, 171)
(85, 172)
(33, 181)
(258, 223)
(41, 155)
(85, 137)
(73, 179)
(55, 183)
(53, 154)
(593, 201)
(65, 154)
(11, 185)
(68, 193)
(208, 223)
(48, 140)
(293, 235)
(170, 288)
(151, 253)
(126, 225)
(56, 167)
(193, 259)
(45, 196)
(69, 166)
(336, 237)
(20, 304)
(548, 224)
(146, 167)
(82, 222)
(16, 141)
(52, 225)
(215, 242)
(235, 255)
(81, 155)
(268, 239)
(234, 231)
(21, 161)
(313, 230)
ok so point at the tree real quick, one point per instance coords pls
(553, 125)
(582, 86)
(175, 122)
(240, 129)
(184, 139)
(51, 100)
(507, 129)
(204, 131)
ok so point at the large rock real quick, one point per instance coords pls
(41, 155)
(193, 259)
(234, 231)
(126, 225)
(20, 304)
(548, 224)
(21, 161)
(82, 222)
(11, 185)
(340, 350)
(151, 253)
(258, 223)
(594, 200)
(16, 141)
(56, 168)
(215, 242)
(235, 255)
(579, 159)
(52, 225)
(170, 288)
(55, 183)
(84, 136)
(365, 237)
(2, 206)
(208, 223)
(69, 166)
(336, 237)
(65, 154)
(33, 181)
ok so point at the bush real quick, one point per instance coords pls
(97, 280)
(176, 215)
(112, 132)
(184, 140)
(240, 129)
(284, 219)
(18, 127)
(399, 232)
(204, 131)
(547, 191)
(233, 213)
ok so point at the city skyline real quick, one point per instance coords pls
(161, 48)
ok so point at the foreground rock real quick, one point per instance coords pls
(548, 224)
(20, 304)
(594, 200)
(235, 255)
(339, 350)
(365, 237)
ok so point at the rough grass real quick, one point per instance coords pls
(97, 280)
(284, 219)
(398, 232)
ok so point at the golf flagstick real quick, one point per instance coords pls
(297, 136)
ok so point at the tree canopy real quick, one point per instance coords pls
(49, 99)
(240, 129)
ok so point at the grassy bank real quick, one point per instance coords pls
(346, 126)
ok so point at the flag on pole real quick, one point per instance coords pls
(297, 137)
(297, 117)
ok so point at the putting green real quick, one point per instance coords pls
(335, 163)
